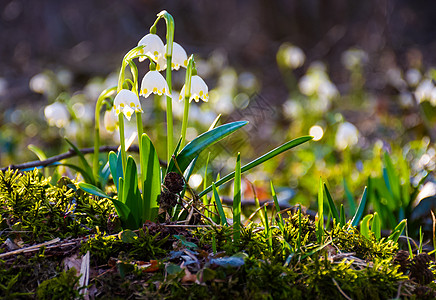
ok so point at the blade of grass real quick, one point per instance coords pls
(260, 160)
(320, 227)
(331, 204)
(219, 205)
(237, 200)
(281, 223)
(360, 209)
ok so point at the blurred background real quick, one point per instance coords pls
(357, 75)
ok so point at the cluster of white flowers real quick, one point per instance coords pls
(316, 83)
(153, 82)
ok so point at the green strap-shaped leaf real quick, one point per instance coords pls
(219, 205)
(192, 149)
(342, 219)
(364, 226)
(276, 204)
(151, 186)
(376, 226)
(116, 167)
(395, 235)
(83, 160)
(122, 209)
(360, 209)
(260, 160)
(86, 175)
(320, 227)
(131, 194)
(37, 151)
(237, 200)
(331, 204)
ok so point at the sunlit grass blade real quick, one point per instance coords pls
(237, 200)
(397, 231)
(281, 223)
(360, 209)
(342, 219)
(37, 151)
(331, 204)
(364, 226)
(320, 227)
(215, 122)
(376, 226)
(260, 160)
(223, 219)
(194, 148)
(86, 167)
(205, 199)
(268, 234)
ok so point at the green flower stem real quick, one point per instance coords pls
(170, 139)
(105, 94)
(122, 142)
(168, 55)
(187, 96)
(140, 132)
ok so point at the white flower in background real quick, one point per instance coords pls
(179, 59)
(316, 83)
(153, 47)
(424, 90)
(110, 120)
(199, 90)
(293, 56)
(347, 135)
(353, 58)
(413, 76)
(126, 102)
(154, 82)
(57, 115)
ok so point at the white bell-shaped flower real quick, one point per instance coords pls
(153, 47)
(126, 102)
(110, 120)
(199, 90)
(154, 82)
(57, 115)
(179, 59)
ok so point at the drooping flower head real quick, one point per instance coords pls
(179, 59)
(126, 102)
(57, 115)
(110, 120)
(153, 47)
(154, 82)
(199, 90)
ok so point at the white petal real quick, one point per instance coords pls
(56, 114)
(180, 58)
(126, 99)
(110, 120)
(199, 89)
(128, 112)
(153, 46)
(154, 82)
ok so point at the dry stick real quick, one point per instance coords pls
(340, 290)
(31, 248)
(70, 153)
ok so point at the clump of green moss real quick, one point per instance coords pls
(63, 286)
(32, 210)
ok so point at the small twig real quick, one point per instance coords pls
(340, 290)
(31, 248)
(69, 154)
(188, 226)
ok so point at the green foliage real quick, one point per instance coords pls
(63, 286)
(33, 210)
